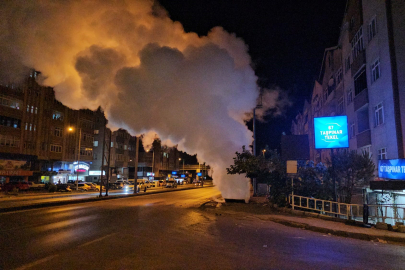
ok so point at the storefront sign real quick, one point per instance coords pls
(80, 166)
(96, 172)
(391, 169)
(16, 173)
(331, 132)
(11, 164)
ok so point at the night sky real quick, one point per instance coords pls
(286, 40)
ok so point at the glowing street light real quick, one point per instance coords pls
(71, 129)
(263, 151)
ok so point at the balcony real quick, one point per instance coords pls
(363, 138)
(358, 62)
(361, 99)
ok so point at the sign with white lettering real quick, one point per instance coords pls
(391, 169)
(331, 132)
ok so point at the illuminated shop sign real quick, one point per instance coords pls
(96, 172)
(80, 167)
(150, 174)
(391, 169)
(199, 174)
(174, 172)
(331, 132)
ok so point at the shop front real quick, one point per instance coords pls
(79, 171)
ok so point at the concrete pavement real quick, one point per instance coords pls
(288, 217)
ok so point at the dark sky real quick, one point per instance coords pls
(286, 40)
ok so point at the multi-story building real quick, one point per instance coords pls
(363, 77)
(36, 128)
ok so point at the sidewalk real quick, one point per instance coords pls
(258, 208)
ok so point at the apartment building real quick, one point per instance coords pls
(363, 77)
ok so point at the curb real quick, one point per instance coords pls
(93, 199)
(361, 236)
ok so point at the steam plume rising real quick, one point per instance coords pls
(142, 68)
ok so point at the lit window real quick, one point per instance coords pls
(375, 70)
(95, 143)
(32, 109)
(35, 127)
(382, 153)
(36, 110)
(30, 127)
(379, 114)
(112, 144)
(125, 147)
(96, 131)
(26, 126)
(372, 29)
(28, 108)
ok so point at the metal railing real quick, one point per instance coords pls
(387, 213)
(329, 208)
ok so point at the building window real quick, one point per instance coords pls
(30, 127)
(352, 130)
(58, 132)
(349, 96)
(339, 76)
(56, 148)
(347, 64)
(372, 29)
(112, 144)
(325, 94)
(366, 150)
(357, 43)
(375, 70)
(35, 127)
(382, 153)
(379, 114)
(125, 147)
(360, 82)
(26, 126)
(95, 143)
(341, 106)
(57, 116)
(36, 110)
(96, 131)
(8, 140)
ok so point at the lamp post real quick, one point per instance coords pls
(263, 151)
(78, 156)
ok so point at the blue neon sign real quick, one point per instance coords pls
(199, 174)
(331, 132)
(174, 172)
(391, 169)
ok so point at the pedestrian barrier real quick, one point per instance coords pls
(387, 213)
(328, 208)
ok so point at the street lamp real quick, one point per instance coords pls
(183, 164)
(263, 151)
(78, 156)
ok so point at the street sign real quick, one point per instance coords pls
(292, 166)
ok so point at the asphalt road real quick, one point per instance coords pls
(169, 231)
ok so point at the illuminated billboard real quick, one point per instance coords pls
(391, 169)
(331, 132)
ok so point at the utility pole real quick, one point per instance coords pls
(108, 162)
(102, 162)
(136, 164)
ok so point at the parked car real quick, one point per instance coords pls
(198, 183)
(152, 183)
(171, 184)
(119, 185)
(63, 188)
(84, 187)
(16, 185)
(93, 186)
(36, 186)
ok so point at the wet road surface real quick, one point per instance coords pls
(169, 231)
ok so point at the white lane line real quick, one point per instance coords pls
(97, 240)
(43, 260)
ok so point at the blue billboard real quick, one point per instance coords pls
(391, 169)
(331, 132)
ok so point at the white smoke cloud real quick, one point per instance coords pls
(147, 73)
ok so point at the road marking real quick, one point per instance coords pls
(29, 265)
(97, 240)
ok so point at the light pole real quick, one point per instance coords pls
(78, 157)
(263, 151)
